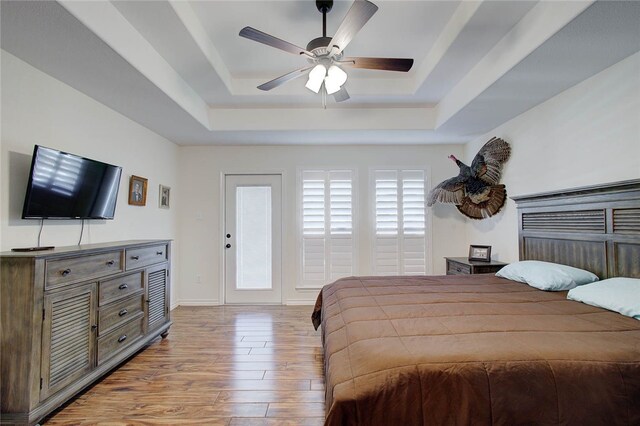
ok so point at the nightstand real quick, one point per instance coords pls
(464, 266)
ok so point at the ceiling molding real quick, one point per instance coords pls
(541, 23)
(322, 119)
(104, 20)
(461, 17)
(194, 27)
(169, 65)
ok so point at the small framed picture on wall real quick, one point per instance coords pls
(480, 253)
(137, 191)
(164, 199)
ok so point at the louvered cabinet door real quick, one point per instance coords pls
(69, 337)
(157, 280)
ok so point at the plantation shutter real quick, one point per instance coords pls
(327, 226)
(400, 222)
(313, 227)
(386, 251)
(413, 223)
(341, 229)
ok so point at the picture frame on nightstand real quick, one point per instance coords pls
(480, 253)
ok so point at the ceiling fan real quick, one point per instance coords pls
(326, 54)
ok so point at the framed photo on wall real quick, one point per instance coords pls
(137, 191)
(480, 253)
(164, 199)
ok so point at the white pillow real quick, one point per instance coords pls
(546, 275)
(616, 294)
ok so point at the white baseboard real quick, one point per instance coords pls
(198, 302)
(309, 302)
(216, 302)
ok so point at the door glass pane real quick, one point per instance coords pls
(253, 242)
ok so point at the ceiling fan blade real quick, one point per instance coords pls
(385, 64)
(341, 95)
(283, 79)
(359, 14)
(269, 40)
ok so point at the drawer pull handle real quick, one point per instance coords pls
(159, 253)
(111, 263)
(122, 338)
(123, 312)
(123, 286)
(135, 257)
(459, 269)
(65, 272)
(94, 327)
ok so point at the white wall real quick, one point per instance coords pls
(38, 109)
(200, 183)
(587, 135)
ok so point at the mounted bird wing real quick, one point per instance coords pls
(487, 164)
(448, 191)
(495, 201)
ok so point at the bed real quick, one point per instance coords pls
(478, 349)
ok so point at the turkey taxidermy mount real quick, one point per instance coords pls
(476, 190)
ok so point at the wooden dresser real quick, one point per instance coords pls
(464, 266)
(71, 314)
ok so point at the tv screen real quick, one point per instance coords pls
(66, 186)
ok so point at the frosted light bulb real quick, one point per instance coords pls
(330, 85)
(316, 77)
(337, 75)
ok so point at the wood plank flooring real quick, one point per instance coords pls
(222, 365)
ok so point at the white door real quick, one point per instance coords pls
(253, 227)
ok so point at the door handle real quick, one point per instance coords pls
(228, 246)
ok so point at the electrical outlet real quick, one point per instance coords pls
(198, 279)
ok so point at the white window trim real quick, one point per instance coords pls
(372, 214)
(355, 223)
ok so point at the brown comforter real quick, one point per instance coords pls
(474, 349)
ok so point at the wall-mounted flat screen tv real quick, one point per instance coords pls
(67, 186)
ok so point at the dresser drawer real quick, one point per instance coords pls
(143, 256)
(116, 313)
(82, 268)
(454, 268)
(118, 339)
(120, 287)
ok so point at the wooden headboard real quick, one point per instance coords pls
(596, 228)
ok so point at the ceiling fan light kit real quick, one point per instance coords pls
(326, 53)
(333, 79)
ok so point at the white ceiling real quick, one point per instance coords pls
(180, 68)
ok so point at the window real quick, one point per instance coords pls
(400, 222)
(327, 226)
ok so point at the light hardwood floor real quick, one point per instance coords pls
(240, 365)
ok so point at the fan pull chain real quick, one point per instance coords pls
(324, 97)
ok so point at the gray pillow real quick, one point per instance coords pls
(616, 294)
(546, 275)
